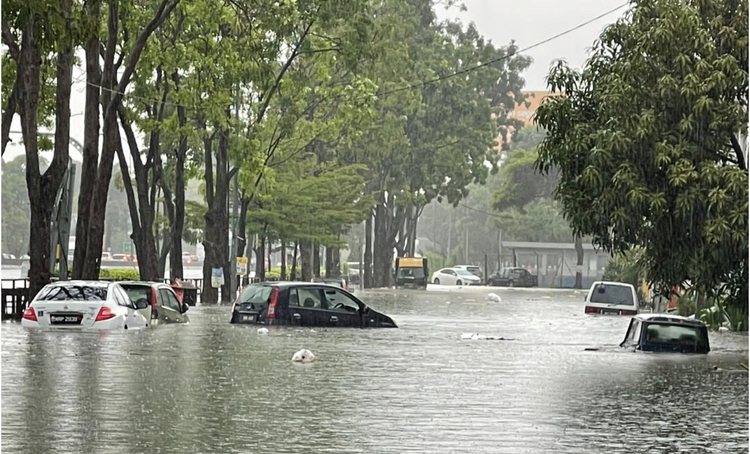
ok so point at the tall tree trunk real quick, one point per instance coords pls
(316, 259)
(294, 262)
(178, 223)
(367, 265)
(336, 265)
(216, 241)
(382, 255)
(283, 260)
(43, 189)
(90, 138)
(305, 253)
(260, 255)
(329, 261)
(579, 261)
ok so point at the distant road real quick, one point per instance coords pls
(14, 272)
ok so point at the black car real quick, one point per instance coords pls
(305, 304)
(512, 277)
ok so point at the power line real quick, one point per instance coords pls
(429, 81)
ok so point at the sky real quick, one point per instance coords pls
(525, 21)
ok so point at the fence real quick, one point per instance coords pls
(15, 294)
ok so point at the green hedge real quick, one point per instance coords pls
(125, 274)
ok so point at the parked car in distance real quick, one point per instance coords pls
(473, 269)
(513, 277)
(450, 276)
(611, 298)
(666, 333)
(7, 256)
(85, 305)
(305, 304)
(120, 257)
(338, 282)
(163, 304)
(106, 257)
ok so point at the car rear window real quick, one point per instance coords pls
(687, 337)
(256, 294)
(473, 268)
(416, 273)
(138, 292)
(612, 294)
(73, 293)
(461, 272)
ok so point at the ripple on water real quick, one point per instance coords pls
(211, 387)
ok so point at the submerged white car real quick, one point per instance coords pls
(454, 276)
(615, 298)
(85, 305)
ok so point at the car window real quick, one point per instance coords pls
(612, 294)
(73, 293)
(337, 300)
(451, 272)
(416, 273)
(310, 297)
(138, 292)
(256, 293)
(120, 297)
(674, 335)
(169, 300)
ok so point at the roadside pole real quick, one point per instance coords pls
(362, 257)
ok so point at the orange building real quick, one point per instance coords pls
(525, 112)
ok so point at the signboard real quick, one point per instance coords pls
(126, 247)
(242, 266)
(217, 277)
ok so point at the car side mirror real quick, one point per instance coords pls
(185, 308)
(141, 304)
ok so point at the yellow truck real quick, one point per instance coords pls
(411, 272)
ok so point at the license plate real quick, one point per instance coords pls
(606, 312)
(248, 318)
(65, 319)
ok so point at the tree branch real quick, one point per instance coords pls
(8, 113)
(10, 41)
(738, 151)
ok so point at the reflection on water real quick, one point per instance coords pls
(214, 388)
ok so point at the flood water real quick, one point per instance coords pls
(208, 387)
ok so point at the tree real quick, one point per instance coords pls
(33, 32)
(646, 141)
(116, 75)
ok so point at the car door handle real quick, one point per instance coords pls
(297, 316)
(334, 318)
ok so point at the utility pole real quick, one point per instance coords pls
(233, 246)
(362, 256)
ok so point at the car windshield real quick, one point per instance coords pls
(463, 272)
(612, 294)
(416, 273)
(73, 293)
(256, 294)
(473, 269)
(684, 337)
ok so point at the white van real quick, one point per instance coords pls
(611, 298)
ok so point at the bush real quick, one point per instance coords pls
(120, 274)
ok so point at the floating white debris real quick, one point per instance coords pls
(493, 297)
(303, 356)
(262, 330)
(723, 328)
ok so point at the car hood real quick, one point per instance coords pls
(379, 320)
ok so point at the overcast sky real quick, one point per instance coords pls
(525, 21)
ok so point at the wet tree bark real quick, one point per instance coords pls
(305, 252)
(316, 259)
(216, 241)
(10, 110)
(283, 260)
(43, 188)
(90, 139)
(387, 227)
(294, 262)
(579, 261)
(367, 266)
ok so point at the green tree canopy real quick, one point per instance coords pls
(646, 141)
